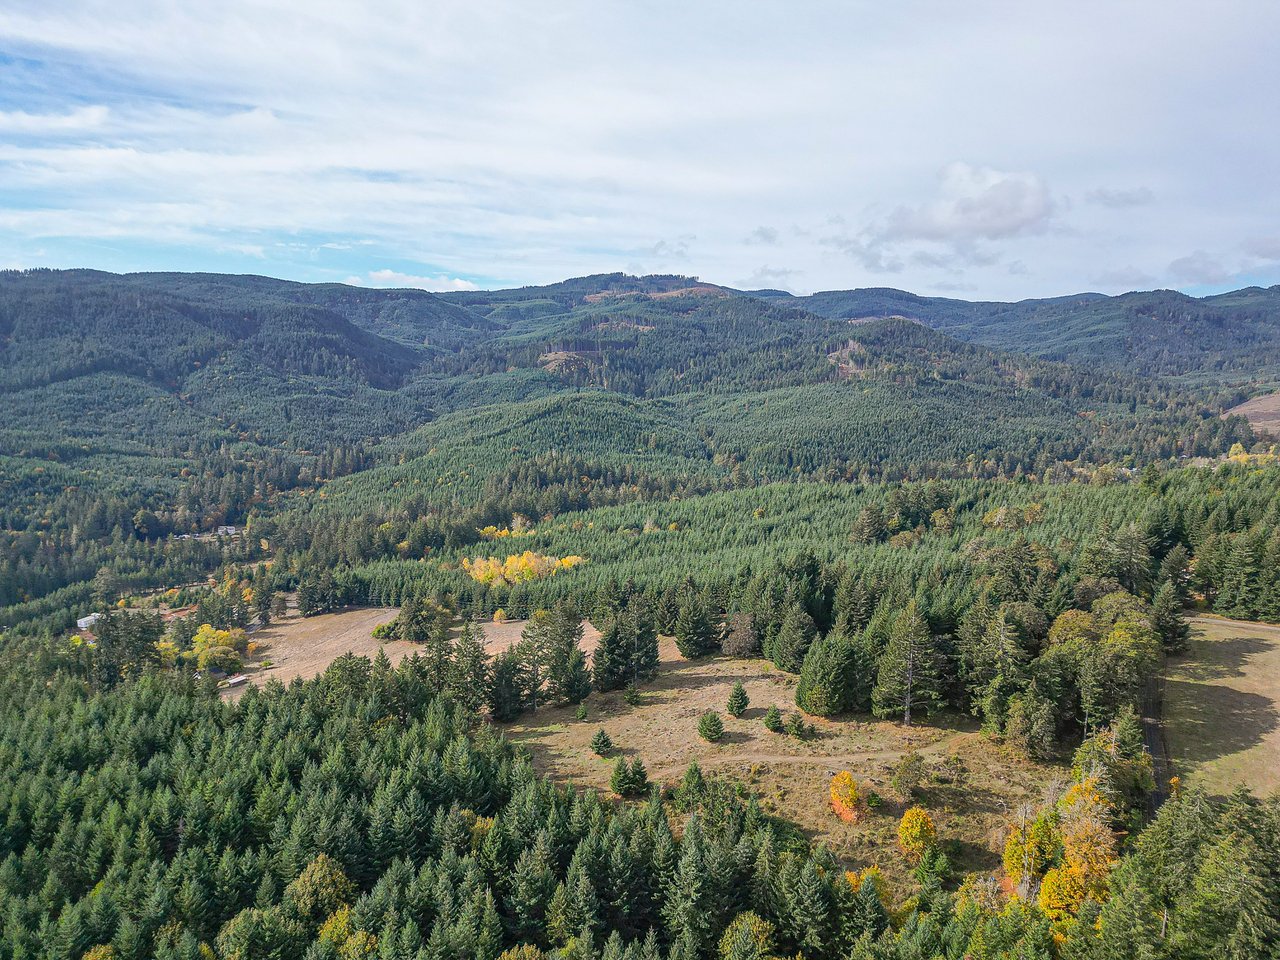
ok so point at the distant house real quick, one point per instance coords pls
(86, 623)
(227, 530)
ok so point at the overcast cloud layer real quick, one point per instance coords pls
(978, 149)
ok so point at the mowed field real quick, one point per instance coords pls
(1263, 413)
(1222, 706)
(976, 783)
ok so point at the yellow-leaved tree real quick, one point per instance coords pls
(1028, 851)
(517, 568)
(1088, 852)
(847, 799)
(916, 834)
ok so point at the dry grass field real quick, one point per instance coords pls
(303, 646)
(977, 786)
(1222, 706)
(1263, 413)
(974, 786)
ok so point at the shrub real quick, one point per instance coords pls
(738, 701)
(773, 719)
(226, 659)
(749, 935)
(847, 798)
(908, 775)
(916, 834)
(796, 727)
(601, 743)
(740, 639)
(710, 726)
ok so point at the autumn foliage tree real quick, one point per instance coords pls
(847, 798)
(1088, 853)
(916, 834)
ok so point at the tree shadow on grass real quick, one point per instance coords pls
(1215, 721)
(969, 857)
(1221, 659)
(730, 737)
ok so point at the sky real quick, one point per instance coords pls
(984, 150)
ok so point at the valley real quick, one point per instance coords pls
(620, 580)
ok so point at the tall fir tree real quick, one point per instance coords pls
(693, 629)
(909, 677)
(795, 635)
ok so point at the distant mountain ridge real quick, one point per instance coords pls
(94, 363)
(1229, 338)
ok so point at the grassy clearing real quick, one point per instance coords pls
(1222, 706)
(977, 783)
(304, 646)
(1263, 413)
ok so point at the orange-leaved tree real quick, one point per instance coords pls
(847, 799)
(1088, 852)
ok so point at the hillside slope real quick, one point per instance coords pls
(1227, 339)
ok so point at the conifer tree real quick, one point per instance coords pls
(642, 637)
(810, 913)
(469, 682)
(638, 778)
(909, 675)
(609, 662)
(773, 719)
(533, 884)
(506, 694)
(687, 900)
(710, 726)
(795, 635)
(1166, 617)
(693, 631)
(668, 611)
(738, 701)
(601, 743)
(828, 677)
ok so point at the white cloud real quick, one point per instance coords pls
(766, 277)
(504, 141)
(1122, 280)
(975, 203)
(763, 235)
(394, 279)
(1198, 268)
(1264, 248)
(72, 121)
(1119, 199)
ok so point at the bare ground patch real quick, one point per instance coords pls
(304, 646)
(1222, 706)
(1263, 413)
(790, 776)
(499, 636)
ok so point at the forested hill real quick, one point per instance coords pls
(1230, 338)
